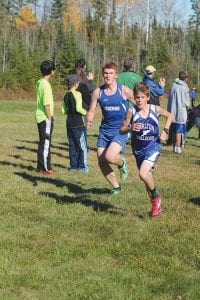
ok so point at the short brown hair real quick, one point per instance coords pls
(110, 65)
(141, 87)
(183, 75)
(129, 64)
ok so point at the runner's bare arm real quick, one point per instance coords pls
(125, 127)
(92, 108)
(169, 118)
(128, 94)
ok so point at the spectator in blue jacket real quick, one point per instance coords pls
(156, 89)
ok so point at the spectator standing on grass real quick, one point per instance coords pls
(156, 89)
(142, 122)
(178, 103)
(44, 117)
(76, 130)
(193, 97)
(128, 76)
(112, 98)
(86, 81)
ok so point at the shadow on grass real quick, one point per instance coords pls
(92, 149)
(72, 187)
(34, 162)
(35, 151)
(195, 201)
(28, 141)
(7, 163)
(192, 138)
(53, 146)
(84, 200)
(193, 145)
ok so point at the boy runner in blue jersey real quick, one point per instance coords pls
(112, 98)
(142, 122)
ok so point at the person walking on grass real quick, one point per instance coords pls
(142, 122)
(72, 105)
(44, 117)
(112, 98)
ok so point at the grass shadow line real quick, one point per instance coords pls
(195, 201)
(53, 146)
(7, 163)
(75, 188)
(84, 200)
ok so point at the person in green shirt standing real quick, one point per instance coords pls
(128, 76)
(44, 117)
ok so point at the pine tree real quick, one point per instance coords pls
(57, 9)
(194, 30)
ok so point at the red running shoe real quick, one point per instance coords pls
(156, 207)
(48, 173)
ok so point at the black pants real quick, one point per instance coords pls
(45, 129)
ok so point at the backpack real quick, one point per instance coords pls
(154, 99)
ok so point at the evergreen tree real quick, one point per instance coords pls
(13, 6)
(195, 18)
(57, 9)
(194, 36)
(195, 24)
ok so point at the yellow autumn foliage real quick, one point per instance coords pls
(26, 19)
(72, 15)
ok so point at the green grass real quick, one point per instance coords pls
(64, 237)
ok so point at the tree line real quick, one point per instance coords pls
(99, 31)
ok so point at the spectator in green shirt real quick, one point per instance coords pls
(44, 117)
(128, 76)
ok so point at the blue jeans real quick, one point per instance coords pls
(77, 148)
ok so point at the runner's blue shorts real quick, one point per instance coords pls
(105, 139)
(179, 128)
(151, 155)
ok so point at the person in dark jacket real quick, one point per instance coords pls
(86, 84)
(156, 89)
(76, 130)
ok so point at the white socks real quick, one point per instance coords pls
(177, 150)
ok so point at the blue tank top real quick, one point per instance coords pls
(113, 108)
(148, 136)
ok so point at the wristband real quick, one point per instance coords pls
(166, 130)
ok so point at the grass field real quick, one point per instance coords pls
(64, 237)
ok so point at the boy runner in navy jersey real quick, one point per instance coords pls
(112, 98)
(142, 122)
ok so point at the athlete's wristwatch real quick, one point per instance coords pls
(166, 130)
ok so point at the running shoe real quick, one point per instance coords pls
(115, 191)
(48, 172)
(84, 170)
(156, 207)
(123, 170)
